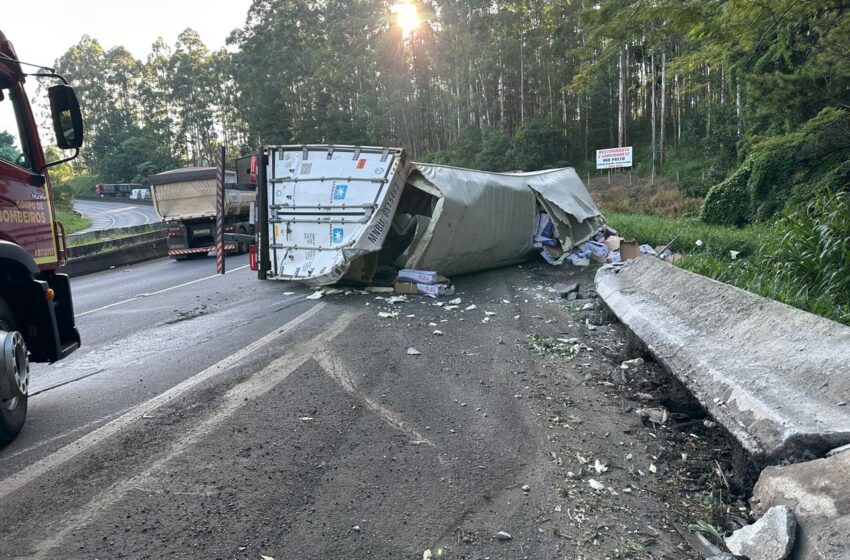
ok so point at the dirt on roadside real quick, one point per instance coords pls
(631, 459)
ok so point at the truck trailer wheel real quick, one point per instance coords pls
(14, 367)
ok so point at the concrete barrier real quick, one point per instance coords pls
(77, 239)
(774, 376)
(101, 245)
(131, 251)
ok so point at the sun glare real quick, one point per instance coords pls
(407, 17)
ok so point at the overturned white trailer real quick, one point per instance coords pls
(344, 213)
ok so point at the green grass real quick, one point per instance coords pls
(802, 260)
(73, 222)
(686, 232)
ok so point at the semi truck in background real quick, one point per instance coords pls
(117, 190)
(185, 200)
(36, 308)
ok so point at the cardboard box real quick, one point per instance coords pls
(629, 249)
(411, 288)
(419, 276)
(613, 243)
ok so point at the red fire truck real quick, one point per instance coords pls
(36, 310)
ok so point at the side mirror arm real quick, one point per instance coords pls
(59, 162)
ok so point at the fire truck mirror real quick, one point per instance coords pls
(67, 117)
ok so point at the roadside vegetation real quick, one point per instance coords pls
(802, 259)
(63, 195)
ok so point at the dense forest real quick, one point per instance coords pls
(746, 100)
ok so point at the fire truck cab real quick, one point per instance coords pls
(36, 308)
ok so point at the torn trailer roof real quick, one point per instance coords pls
(344, 213)
(191, 193)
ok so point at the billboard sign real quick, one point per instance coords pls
(612, 158)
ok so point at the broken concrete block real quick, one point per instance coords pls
(818, 493)
(564, 289)
(769, 538)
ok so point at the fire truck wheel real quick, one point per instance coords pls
(13, 412)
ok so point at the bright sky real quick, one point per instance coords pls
(42, 30)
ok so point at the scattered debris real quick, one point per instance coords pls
(599, 467)
(387, 315)
(356, 528)
(632, 363)
(769, 538)
(564, 289)
(654, 415)
(438, 333)
(316, 295)
(596, 485)
(413, 352)
(306, 418)
(838, 450)
(503, 536)
(471, 307)
(701, 545)
(526, 488)
(379, 289)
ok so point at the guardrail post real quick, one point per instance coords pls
(219, 212)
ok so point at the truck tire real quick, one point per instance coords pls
(13, 412)
(242, 247)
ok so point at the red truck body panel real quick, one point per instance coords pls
(26, 202)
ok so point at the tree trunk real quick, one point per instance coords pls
(652, 102)
(678, 110)
(501, 96)
(586, 127)
(663, 106)
(708, 102)
(521, 77)
(738, 103)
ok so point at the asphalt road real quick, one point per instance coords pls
(107, 214)
(224, 417)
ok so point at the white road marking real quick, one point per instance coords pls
(254, 387)
(147, 295)
(62, 436)
(65, 454)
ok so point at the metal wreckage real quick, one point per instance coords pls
(332, 214)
